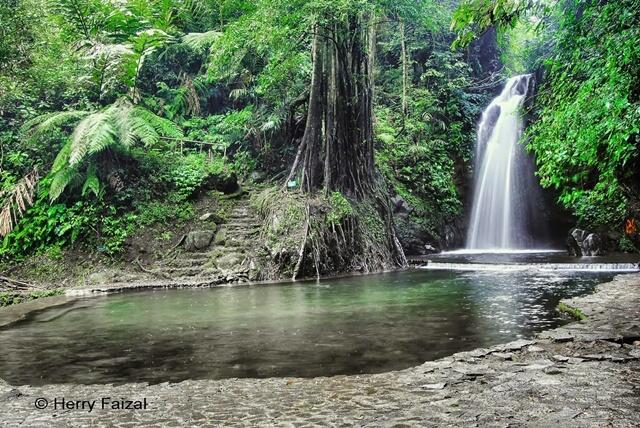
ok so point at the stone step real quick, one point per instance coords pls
(242, 224)
(246, 234)
(243, 221)
(194, 256)
(190, 271)
(187, 262)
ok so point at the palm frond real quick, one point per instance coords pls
(16, 201)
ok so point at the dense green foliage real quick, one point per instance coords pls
(588, 129)
(117, 115)
(426, 148)
(123, 108)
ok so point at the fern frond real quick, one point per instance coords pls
(238, 93)
(93, 134)
(62, 158)
(142, 130)
(92, 182)
(201, 41)
(45, 124)
(60, 181)
(162, 126)
(117, 127)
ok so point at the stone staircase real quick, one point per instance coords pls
(228, 256)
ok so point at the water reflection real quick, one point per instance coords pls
(355, 325)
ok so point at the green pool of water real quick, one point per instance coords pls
(364, 324)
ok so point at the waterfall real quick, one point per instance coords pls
(503, 176)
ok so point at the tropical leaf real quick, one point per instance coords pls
(201, 41)
(117, 127)
(15, 202)
(93, 134)
(92, 182)
(42, 125)
(60, 180)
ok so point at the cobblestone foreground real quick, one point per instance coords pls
(583, 374)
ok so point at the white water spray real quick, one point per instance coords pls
(499, 210)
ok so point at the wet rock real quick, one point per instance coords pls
(506, 356)
(583, 243)
(440, 385)
(559, 335)
(399, 205)
(516, 345)
(592, 245)
(198, 240)
(414, 240)
(560, 358)
(4, 387)
(430, 249)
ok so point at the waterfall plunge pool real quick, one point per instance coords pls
(365, 324)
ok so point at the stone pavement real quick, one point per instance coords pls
(585, 374)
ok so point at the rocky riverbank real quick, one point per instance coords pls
(584, 374)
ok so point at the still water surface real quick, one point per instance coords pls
(364, 324)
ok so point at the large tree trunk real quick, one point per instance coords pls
(336, 152)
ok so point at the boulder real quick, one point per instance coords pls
(221, 237)
(592, 245)
(430, 249)
(583, 243)
(225, 183)
(212, 217)
(414, 240)
(198, 240)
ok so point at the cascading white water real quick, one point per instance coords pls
(499, 214)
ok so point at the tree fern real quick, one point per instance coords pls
(93, 134)
(60, 180)
(117, 127)
(42, 125)
(201, 41)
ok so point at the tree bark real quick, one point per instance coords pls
(338, 137)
